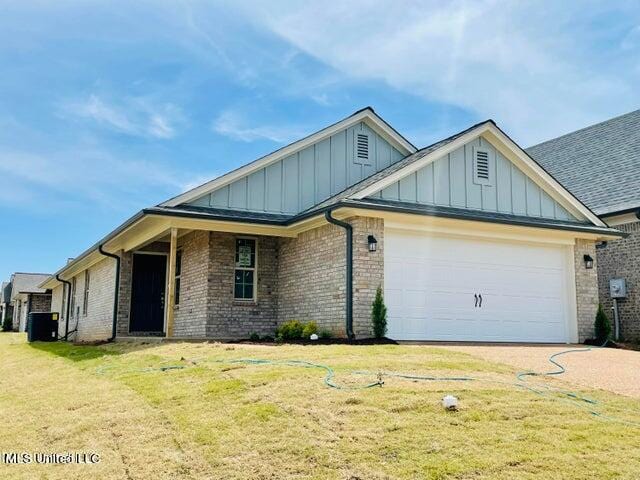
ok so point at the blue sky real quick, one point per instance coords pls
(108, 107)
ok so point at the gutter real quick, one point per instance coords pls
(66, 316)
(349, 292)
(116, 295)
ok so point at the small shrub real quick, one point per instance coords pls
(291, 330)
(602, 325)
(325, 334)
(7, 325)
(379, 315)
(309, 329)
(254, 337)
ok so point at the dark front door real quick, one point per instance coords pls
(147, 293)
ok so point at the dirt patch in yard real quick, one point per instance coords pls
(615, 370)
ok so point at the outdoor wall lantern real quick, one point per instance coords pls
(588, 262)
(373, 243)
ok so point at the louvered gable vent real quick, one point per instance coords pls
(361, 144)
(482, 167)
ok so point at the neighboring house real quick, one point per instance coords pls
(27, 296)
(600, 164)
(6, 307)
(469, 238)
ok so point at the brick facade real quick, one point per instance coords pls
(31, 302)
(621, 259)
(299, 278)
(229, 318)
(586, 288)
(207, 306)
(368, 271)
(95, 322)
(40, 302)
(191, 315)
(311, 278)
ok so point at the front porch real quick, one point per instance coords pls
(190, 279)
(199, 284)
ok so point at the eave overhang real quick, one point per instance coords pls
(154, 223)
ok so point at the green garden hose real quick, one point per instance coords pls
(574, 398)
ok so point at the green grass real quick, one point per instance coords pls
(215, 419)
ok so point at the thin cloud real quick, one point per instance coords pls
(232, 125)
(134, 116)
(86, 177)
(519, 62)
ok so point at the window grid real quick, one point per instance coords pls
(245, 269)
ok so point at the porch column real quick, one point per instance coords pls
(171, 287)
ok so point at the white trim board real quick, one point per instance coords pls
(507, 147)
(367, 116)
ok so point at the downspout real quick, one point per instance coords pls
(349, 293)
(116, 293)
(66, 315)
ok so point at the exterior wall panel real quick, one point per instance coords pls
(449, 181)
(305, 178)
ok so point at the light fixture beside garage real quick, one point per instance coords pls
(588, 262)
(373, 243)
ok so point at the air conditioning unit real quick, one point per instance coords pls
(42, 326)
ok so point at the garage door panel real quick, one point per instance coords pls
(430, 282)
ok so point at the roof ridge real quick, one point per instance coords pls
(617, 117)
(301, 140)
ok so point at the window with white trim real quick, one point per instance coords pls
(85, 295)
(245, 269)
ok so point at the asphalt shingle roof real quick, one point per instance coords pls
(27, 283)
(599, 164)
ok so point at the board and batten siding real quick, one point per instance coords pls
(305, 178)
(449, 181)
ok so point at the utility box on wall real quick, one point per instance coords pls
(618, 288)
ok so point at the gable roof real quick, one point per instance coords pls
(424, 156)
(27, 283)
(600, 164)
(354, 196)
(367, 115)
(391, 169)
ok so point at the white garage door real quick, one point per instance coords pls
(451, 289)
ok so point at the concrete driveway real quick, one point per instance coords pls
(601, 368)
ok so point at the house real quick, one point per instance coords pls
(600, 164)
(469, 238)
(6, 307)
(27, 296)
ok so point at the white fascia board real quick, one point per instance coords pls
(546, 181)
(554, 188)
(622, 219)
(367, 115)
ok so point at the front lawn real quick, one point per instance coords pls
(216, 419)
